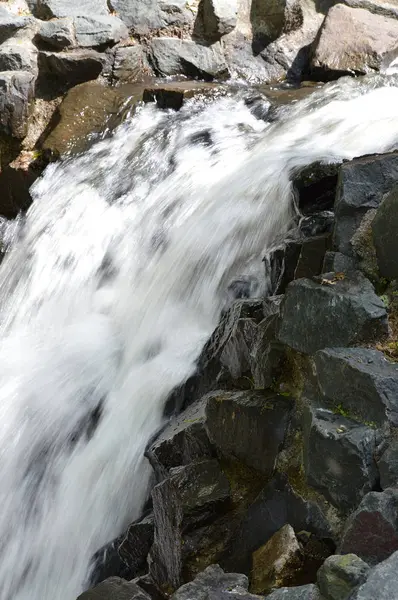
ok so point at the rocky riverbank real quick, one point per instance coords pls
(48, 47)
(280, 462)
(282, 465)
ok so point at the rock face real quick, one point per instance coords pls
(388, 466)
(48, 9)
(220, 17)
(250, 426)
(360, 41)
(339, 458)
(276, 563)
(64, 70)
(384, 229)
(171, 56)
(193, 495)
(115, 588)
(144, 16)
(340, 575)
(182, 442)
(342, 372)
(372, 531)
(16, 93)
(381, 583)
(331, 311)
(361, 187)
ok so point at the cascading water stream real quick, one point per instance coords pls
(114, 282)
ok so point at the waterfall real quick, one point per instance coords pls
(111, 286)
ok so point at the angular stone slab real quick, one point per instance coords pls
(362, 381)
(331, 311)
(249, 426)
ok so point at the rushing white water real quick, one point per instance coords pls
(113, 284)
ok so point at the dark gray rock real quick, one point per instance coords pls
(215, 584)
(362, 381)
(372, 530)
(336, 262)
(340, 575)
(126, 556)
(339, 457)
(183, 441)
(382, 583)
(277, 504)
(63, 70)
(250, 426)
(385, 235)
(303, 592)
(58, 33)
(130, 64)
(16, 93)
(18, 55)
(315, 186)
(331, 311)
(98, 31)
(362, 184)
(48, 9)
(20, 27)
(191, 496)
(172, 56)
(388, 466)
(220, 17)
(115, 588)
(144, 16)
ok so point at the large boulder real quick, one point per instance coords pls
(48, 9)
(18, 55)
(220, 17)
(58, 33)
(342, 372)
(361, 187)
(144, 16)
(172, 56)
(130, 64)
(60, 71)
(339, 458)
(115, 588)
(334, 310)
(183, 441)
(276, 563)
(16, 93)
(382, 582)
(385, 235)
(340, 575)
(191, 496)
(372, 530)
(360, 41)
(18, 27)
(97, 30)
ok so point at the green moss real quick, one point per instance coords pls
(353, 416)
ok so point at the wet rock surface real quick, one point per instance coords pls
(331, 311)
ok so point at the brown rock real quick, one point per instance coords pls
(353, 41)
(275, 564)
(173, 95)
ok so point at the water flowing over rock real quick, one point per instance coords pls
(111, 286)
